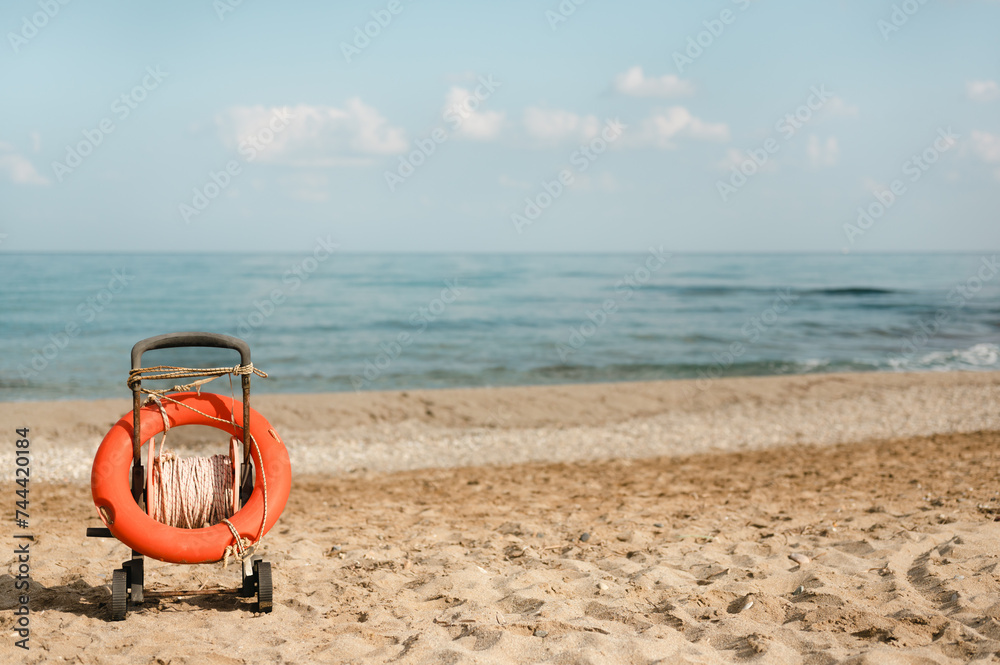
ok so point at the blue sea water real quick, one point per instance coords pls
(391, 321)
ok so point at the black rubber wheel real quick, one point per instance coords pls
(262, 571)
(119, 595)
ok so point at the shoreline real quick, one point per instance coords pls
(341, 433)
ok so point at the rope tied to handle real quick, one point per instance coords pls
(163, 372)
(195, 492)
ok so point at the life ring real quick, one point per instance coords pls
(109, 481)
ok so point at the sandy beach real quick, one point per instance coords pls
(595, 333)
(800, 519)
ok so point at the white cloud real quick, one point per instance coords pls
(658, 130)
(553, 125)
(987, 146)
(463, 106)
(636, 84)
(732, 159)
(822, 153)
(662, 127)
(982, 91)
(315, 136)
(18, 169)
(838, 107)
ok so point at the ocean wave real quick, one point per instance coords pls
(984, 356)
(852, 291)
(722, 290)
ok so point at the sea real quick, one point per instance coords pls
(324, 321)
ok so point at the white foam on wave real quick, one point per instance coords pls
(812, 364)
(982, 356)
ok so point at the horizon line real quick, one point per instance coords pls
(498, 253)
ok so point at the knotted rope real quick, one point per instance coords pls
(195, 492)
(162, 372)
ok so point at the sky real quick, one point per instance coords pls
(575, 126)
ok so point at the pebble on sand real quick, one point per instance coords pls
(584, 537)
(799, 558)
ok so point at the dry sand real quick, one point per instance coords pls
(693, 500)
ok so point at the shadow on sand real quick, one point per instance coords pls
(84, 600)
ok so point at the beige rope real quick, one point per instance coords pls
(191, 493)
(163, 372)
(241, 547)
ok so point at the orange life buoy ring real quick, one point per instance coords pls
(109, 481)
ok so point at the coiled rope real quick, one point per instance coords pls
(191, 493)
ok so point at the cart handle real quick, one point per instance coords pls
(173, 340)
(179, 339)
